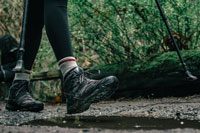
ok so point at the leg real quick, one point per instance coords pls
(56, 24)
(34, 28)
(19, 98)
(80, 91)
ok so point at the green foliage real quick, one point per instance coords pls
(125, 31)
(112, 32)
(10, 17)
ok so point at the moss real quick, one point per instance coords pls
(160, 64)
(115, 68)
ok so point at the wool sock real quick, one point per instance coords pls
(23, 76)
(66, 64)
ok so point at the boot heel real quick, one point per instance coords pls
(11, 107)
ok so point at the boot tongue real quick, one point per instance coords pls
(77, 70)
(73, 72)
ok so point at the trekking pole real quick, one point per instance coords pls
(20, 63)
(188, 73)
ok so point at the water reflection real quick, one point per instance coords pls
(116, 122)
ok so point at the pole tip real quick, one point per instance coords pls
(190, 76)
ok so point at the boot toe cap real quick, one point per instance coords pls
(111, 80)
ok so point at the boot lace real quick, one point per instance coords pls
(23, 91)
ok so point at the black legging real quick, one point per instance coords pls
(52, 14)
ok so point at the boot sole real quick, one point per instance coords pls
(33, 108)
(97, 96)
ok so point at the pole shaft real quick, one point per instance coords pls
(24, 22)
(170, 33)
(20, 63)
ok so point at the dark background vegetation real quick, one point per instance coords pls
(120, 33)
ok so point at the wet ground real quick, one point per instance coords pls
(126, 116)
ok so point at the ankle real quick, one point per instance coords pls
(66, 64)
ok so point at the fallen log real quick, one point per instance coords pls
(158, 76)
(55, 74)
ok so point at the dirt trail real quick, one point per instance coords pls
(176, 108)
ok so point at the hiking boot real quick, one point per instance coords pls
(20, 99)
(81, 92)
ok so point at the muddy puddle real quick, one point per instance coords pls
(115, 122)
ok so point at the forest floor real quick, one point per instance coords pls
(134, 112)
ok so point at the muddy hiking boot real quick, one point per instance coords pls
(81, 92)
(20, 98)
